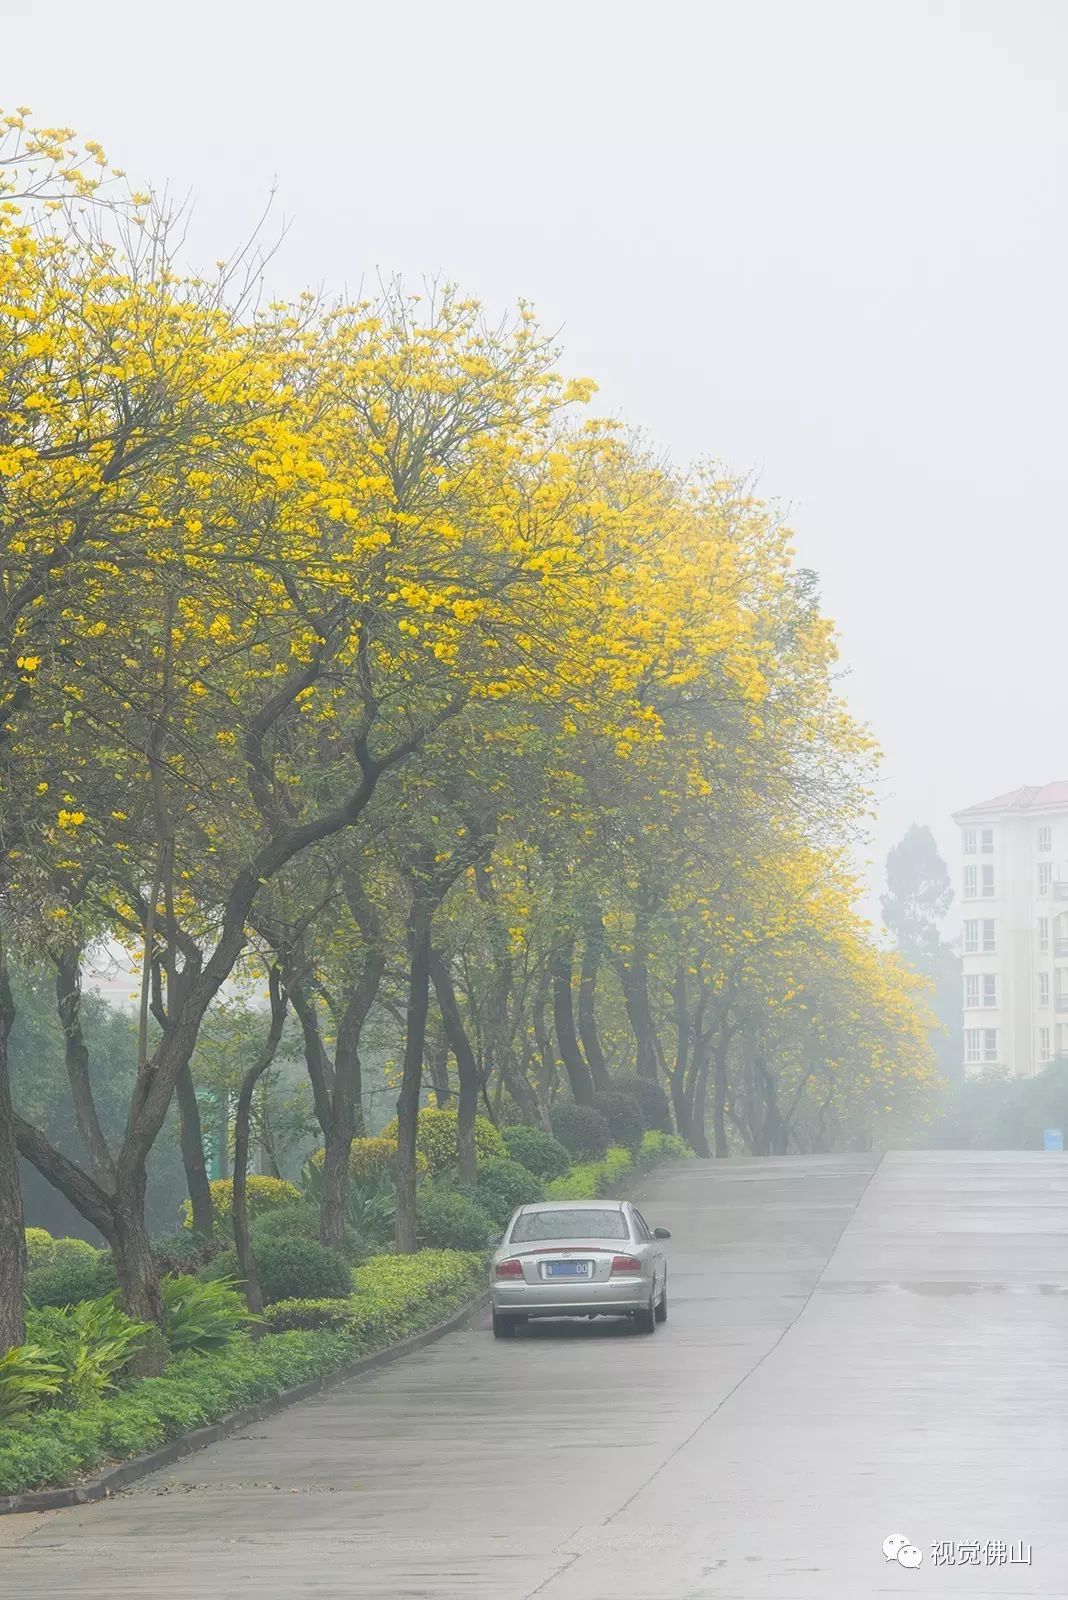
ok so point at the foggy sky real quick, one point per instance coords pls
(824, 241)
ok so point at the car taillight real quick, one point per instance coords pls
(509, 1269)
(626, 1264)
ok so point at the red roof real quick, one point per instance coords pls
(1029, 797)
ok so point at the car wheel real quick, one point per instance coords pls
(661, 1310)
(645, 1321)
(503, 1327)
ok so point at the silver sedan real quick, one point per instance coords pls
(579, 1258)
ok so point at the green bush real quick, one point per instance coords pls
(582, 1130)
(28, 1376)
(368, 1158)
(40, 1248)
(624, 1117)
(262, 1194)
(657, 1146)
(651, 1096)
(591, 1180)
(202, 1316)
(537, 1150)
(287, 1314)
(184, 1252)
(302, 1269)
(72, 1277)
(436, 1138)
(91, 1343)
(449, 1220)
(398, 1296)
(370, 1204)
(501, 1187)
(297, 1221)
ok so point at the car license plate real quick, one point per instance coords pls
(567, 1269)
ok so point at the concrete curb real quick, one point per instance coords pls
(129, 1471)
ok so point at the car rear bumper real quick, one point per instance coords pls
(617, 1298)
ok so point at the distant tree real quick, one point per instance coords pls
(918, 895)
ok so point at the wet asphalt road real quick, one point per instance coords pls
(855, 1349)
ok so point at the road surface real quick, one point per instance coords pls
(855, 1349)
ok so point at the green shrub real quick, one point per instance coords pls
(40, 1248)
(297, 1221)
(368, 1158)
(202, 1316)
(449, 1220)
(501, 1187)
(222, 1267)
(657, 1146)
(287, 1314)
(91, 1343)
(398, 1296)
(537, 1150)
(651, 1096)
(28, 1376)
(71, 1278)
(581, 1183)
(582, 1130)
(184, 1252)
(436, 1138)
(67, 1249)
(301, 1269)
(370, 1205)
(623, 1115)
(262, 1194)
(617, 1164)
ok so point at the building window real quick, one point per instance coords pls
(1044, 1050)
(986, 841)
(1062, 1038)
(1045, 873)
(988, 883)
(1043, 988)
(989, 936)
(973, 1044)
(1045, 840)
(990, 1044)
(969, 841)
(971, 938)
(1043, 934)
(971, 991)
(971, 882)
(990, 989)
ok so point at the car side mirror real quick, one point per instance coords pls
(661, 1233)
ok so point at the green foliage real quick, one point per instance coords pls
(74, 1276)
(657, 1146)
(286, 1314)
(397, 1296)
(370, 1204)
(202, 1316)
(28, 1375)
(623, 1115)
(436, 1138)
(294, 1268)
(651, 1096)
(449, 1220)
(183, 1252)
(536, 1150)
(989, 1110)
(593, 1179)
(368, 1158)
(263, 1194)
(501, 1187)
(91, 1343)
(39, 1248)
(297, 1221)
(582, 1130)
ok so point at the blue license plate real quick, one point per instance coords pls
(567, 1269)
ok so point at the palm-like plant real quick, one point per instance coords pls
(27, 1376)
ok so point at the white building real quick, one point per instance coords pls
(1014, 901)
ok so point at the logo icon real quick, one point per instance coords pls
(898, 1547)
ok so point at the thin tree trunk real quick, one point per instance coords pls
(567, 1044)
(76, 1056)
(242, 1128)
(12, 1235)
(132, 1250)
(679, 1101)
(698, 1129)
(466, 1065)
(592, 951)
(412, 1074)
(437, 1065)
(192, 1139)
(719, 1102)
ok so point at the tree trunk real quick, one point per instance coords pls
(592, 951)
(719, 1102)
(437, 1065)
(76, 1060)
(683, 1033)
(196, 1171)
(12, 1236)
(466, 1066)
(242, 1128)
(698, 1130)
(634, 978)
(222, 1133)
(337, 1149)
(412, 1074)
(567, 1044)
(132, 1249)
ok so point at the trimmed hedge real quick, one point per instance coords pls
(623, 1114)
(501, 1187)
(651, 1096)
(398, 1296)
(71, 1277)
(537, 1150)
(436, 1138)
(262, 1194)
(581, 1130)
(594, 1179)
(447, 1219)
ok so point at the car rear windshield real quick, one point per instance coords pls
(582, 1224)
